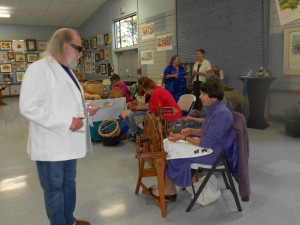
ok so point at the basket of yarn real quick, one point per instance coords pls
(93, 87)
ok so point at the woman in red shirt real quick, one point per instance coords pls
(160, 97)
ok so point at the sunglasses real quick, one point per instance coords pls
(78, 48)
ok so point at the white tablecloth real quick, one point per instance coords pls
(110, 112)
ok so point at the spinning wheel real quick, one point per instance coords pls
(153, 153)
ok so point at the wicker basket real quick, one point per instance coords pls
(109, 128)
(93, 87)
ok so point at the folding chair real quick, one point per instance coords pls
(220, 165)
(186, 102)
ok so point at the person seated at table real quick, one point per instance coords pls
(175, 78)
(160, 97)
(117, 84)
(138, 109)
(217, 124)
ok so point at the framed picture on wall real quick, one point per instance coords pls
(2, 57)
(106, 55)
(20, 75)
(97, 57)
(103, 68)
(18, 45)
(97, 69)
(291, 59)
(5, 45)
(20, 57)
(86, 44)
(107, 39)
(31, 45)
(100, 39)
(10, 55)
(42, 45)
(23, 65)
(102, 54)
(15, 65)
(95, 44)
(32, 57)
(5, 68)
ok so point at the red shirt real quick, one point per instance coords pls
(161, 97)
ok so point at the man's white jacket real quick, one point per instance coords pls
(49, 99)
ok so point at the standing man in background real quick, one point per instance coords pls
(199, 73)
(52, 100)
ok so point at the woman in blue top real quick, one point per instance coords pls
(175, 78)
(217, 124)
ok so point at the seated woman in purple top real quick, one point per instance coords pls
(217, 124)
(116, 83)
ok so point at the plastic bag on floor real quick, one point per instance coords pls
(210, 193)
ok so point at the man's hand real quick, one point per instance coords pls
(186, 131)
(92, 109)
(76, 124)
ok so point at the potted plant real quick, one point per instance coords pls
(292, 121)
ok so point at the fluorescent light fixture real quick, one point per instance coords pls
(4, 12)
(5, 15)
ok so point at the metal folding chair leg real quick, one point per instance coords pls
(225, 180)
(232, 188)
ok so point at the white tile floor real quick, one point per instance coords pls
(106, 181)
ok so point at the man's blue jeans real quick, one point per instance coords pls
(59, 185)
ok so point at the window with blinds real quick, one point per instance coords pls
(233, 34)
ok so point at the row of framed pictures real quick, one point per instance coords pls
(18, 76)
(94, 42)
(9, 67)
(103, 55)
(21, 45)
(18, 57)
(89, 68)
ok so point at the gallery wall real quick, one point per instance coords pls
(285, 90)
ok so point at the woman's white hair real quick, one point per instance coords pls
(55, 45)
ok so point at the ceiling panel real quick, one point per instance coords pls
(70, 13)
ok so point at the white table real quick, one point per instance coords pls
(110, 112)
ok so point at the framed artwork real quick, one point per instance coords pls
(84, 55)
(88, 66)
(93, 69)
(102, 54)
(107, 39)
(23, 65)
(86, 44)
(97, 57)
(42, 45)
(91, 43)
(18, 45)
(95, 43)
(32, 57)
(20, 57)
(20, 75)
(93, 57)
(15, 65)
(291, 59)
(5, 68)
(97, 69)
(10, 55)
(100, 39)
(2, 57)
(147, 31)
(31, 45)
(106, 55)
(5, 45)
(89, 55)
(81, 61)
(103, 68)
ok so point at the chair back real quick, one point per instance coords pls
(186, 102)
